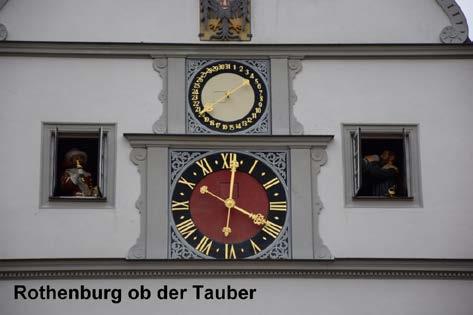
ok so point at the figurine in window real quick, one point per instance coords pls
(382, 176)
(76, 181)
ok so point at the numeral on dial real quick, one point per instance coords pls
(255, 247)
(230, 251)
(227, 159)
(184, 181)
(204, 245)
(272, 229)
(186, 228)
(205, 166)
(253, 167)
(278, 205)
(177, 205)
(271, 183)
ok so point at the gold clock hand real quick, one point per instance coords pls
(208, 107)
(233, 167)
(257, 218)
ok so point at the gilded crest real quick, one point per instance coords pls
(225, 20)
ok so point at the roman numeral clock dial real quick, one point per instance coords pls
(229, 205)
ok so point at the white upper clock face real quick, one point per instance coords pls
(234, 94)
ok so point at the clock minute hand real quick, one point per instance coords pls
(230, 201)
(210, 106)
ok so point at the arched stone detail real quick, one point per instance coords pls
(457, 33)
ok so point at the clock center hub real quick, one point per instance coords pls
(229, 203)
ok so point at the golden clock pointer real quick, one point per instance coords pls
(230, 201)
(210, 106)
(257, 218)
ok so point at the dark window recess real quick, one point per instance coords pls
(380, 163)
(77, 165)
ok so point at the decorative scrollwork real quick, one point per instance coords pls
(161, 66)
(194, 65)
(278, 160)
(178, 250)
(295, 66)
(179, 159)
(457, 33)
(280, 250)
(262, 66)
(3, 28)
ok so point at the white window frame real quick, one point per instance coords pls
(106, 165)
(351, 138)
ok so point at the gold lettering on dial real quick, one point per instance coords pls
(271, 183)
(184, 181)
(204, 166)
(272, 229)
(230, 251)
(204, 245)
(278, 205)
(227, 159)
(186, 228)
(253, 167)
(256, 248)
(177, 205)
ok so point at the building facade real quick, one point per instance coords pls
(349, 120)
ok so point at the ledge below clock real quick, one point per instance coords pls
(304, 156)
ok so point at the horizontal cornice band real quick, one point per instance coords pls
(337, 269)
(301, 51)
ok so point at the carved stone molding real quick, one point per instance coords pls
(138, 157)
(457, 33)
(318, 159)
(3, 28)
(427, 269)
(161, 66)
(295, 66)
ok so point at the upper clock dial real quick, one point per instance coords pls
(228, 96)
(229, 205)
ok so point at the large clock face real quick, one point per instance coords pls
(228, 96)
(229, 205)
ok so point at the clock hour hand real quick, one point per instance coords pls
(257, 218)
(208, 107)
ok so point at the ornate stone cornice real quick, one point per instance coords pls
(293, 51)
(448, 269)
(457, 33)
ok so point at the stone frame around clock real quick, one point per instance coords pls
(282, 95)
(151, 154)
(280, 248)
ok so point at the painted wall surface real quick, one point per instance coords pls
(69, 90)
(273, 21)
(436, 94)
(307, 296)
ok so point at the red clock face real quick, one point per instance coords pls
(229, 205)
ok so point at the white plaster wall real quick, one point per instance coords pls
(437, 95)
(273, 296)
(69, 90)
(273, 21)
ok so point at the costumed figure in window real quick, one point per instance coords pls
(381, 175)
(76, 181)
